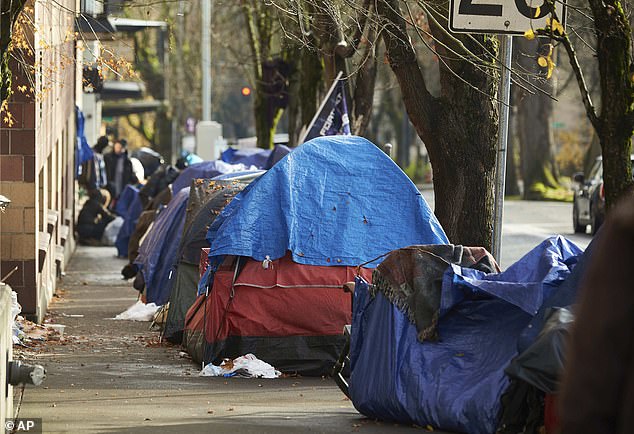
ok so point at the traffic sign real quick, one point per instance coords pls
(501, 16)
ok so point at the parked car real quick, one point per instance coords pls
(589, 201)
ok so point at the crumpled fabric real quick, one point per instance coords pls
(411, 278)
(454, 384)
(247, 366)
(257, 157)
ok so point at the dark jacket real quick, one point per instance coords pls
(92, 219)
(597, 395)
(128, 176)
(92, 212)
(157, 183)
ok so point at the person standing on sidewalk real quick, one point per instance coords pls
(94, 171)
(119, 169)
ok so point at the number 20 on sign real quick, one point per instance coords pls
(501, 16)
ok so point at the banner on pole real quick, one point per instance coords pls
(332, 116)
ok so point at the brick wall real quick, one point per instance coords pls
(17, 182)
(36, 157)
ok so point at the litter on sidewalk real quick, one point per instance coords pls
(247, 366)
(138, 312)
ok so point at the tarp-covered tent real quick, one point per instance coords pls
(158, 251)
(542, 347)
(456, 383)
(249, 156)
(150, 159)
(260, 158)
(290, 315)
(333, 202)
(206, 199)
(193, 331)
(129, 207)
(205, 170)
(278, 152)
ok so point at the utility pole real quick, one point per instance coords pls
(206, 59)
(506, 49)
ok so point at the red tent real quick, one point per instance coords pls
(287, 314)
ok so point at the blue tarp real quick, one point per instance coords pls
(206, 169)
(158, 252)
(335, 200)
(454, 384)
(125, 199)
(129, 207)
(83, 151)
(249, 157)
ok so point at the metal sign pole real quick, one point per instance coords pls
(205, 47)
(506, 48)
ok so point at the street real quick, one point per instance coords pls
(114, 376)
(527, 223)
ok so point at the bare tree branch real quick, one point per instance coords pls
(581, 81)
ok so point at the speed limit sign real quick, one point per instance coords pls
(501, 16)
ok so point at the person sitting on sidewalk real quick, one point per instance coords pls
(93, 219)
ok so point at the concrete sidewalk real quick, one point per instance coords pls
(112, 376)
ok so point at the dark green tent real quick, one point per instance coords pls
(207, 199)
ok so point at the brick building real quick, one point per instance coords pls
(37, 158)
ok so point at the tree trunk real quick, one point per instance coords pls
(264, 129)
(534, 126)
(163, 133)
(459, 128)
(364, 83)
(327, 26)
(616, 123)
(463, 162)
(310, 86)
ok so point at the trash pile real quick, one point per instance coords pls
(247, 366)
(26, 333)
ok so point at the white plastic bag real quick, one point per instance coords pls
(16, 308)
(139, 312)
(248, 365)
(112, 230)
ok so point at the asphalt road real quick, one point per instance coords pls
(528, 223)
